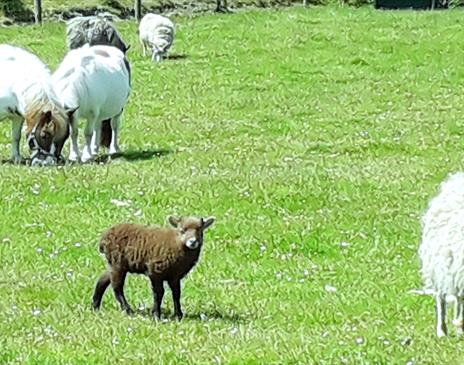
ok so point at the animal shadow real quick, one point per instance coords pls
(176, 56)
(167, 315)
(133, 155)
(216, 315)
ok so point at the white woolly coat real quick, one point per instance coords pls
(99, 85)
(23, 78)
(442, 247)
(157, 32)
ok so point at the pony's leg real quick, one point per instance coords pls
(115, 124)
(442, 330)
(16, 138)
(88, 132)
(96, 138)
(458, 320)
(74, 151)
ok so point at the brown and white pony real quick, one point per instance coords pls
(26, 95)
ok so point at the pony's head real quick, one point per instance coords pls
(47, 131)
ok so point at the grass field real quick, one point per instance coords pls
(316, 137)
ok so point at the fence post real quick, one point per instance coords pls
(38, 11)
(138, 9)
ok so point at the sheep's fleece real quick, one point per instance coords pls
(442, 247)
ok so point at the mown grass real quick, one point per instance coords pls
(316, 137)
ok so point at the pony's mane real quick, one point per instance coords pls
(40, 96)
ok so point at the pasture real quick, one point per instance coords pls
(315, 136)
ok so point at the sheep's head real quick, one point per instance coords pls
(191, 229)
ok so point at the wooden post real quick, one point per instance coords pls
(138, 9)
(38, 11)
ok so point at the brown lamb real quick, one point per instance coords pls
(163, 254)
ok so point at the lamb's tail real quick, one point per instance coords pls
(105, 140)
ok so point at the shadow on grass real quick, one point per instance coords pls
(134, 155)
(128, 156)
(177, 56)
(167, 316)
(9, 161)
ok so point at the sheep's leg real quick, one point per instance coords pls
(442, 330)
(158, 293)
(175, 288)
(103, 282)
(144, 48)
(117, 282)
(458, 321)
(16, 138)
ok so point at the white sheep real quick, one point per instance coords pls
(442, 251)
(156, 33)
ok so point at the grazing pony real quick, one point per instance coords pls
(26, 95)
(95, 30)
(96, 81)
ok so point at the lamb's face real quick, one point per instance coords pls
(191, 229)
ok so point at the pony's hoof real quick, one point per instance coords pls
(73, 157)
(86, 158)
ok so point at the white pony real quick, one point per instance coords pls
(96, 80)
(26, 94)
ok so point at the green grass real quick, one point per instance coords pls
(299, 130)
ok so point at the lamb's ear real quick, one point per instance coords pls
(208, 222)
(173, 220)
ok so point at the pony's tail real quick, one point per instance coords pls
(105, 140)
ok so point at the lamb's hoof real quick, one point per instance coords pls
(96, 306)
(179, 316)
(129, 311)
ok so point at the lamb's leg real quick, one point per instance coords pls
(158, 293)
(103, 282)
(175, 288)
(117, 282)
(441, 316)
(16, 138)
(458, 321)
